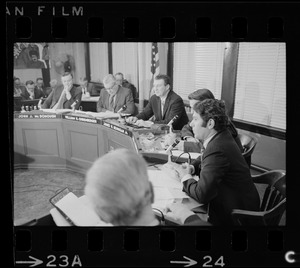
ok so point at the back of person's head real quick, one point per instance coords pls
(109, 80)
(118, 187)
(201, 94)
(213, 109)
(165, 77)
(119, 74)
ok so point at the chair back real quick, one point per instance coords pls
(273, 201)
(248, 142)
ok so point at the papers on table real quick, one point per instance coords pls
(106, 115)
(166, 189)
(78, 210)
(57, 111)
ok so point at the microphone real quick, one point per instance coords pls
(122, 108)
(74, 104)
(172, 146)
(40, 104)
(172, 120)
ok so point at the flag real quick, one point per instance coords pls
(154, 65)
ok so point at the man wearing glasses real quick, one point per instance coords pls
(114, 97)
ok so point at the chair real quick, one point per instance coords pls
(272, 204)
(248, 143)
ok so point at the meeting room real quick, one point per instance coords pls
(149, 134)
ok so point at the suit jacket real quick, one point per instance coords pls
(224, 180)
(54, 96)
(37, 94)
(131, 87)
(173, 106)
(123, 96)
(44, 91)
(187, 131)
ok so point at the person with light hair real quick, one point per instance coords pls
(114, 97)
(117, 185)
(119, 190)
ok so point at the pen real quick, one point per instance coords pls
(172, 120)
(122, 108)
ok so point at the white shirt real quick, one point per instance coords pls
(162, 102)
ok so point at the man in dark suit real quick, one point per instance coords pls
(190, 143)
(18, 88)
(31, 92)
(64, 95)
(88, 89)
(225, 181)
(39, 86)
(114, 97)
(165, 104)
(124, 83)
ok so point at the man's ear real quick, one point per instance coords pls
(210, 123)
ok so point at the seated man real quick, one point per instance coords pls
(88, 89)
(165, 104)
(114, 97)
(18, 88)
(31, 92)
(225, 181)
(39, 86)
(64, 95)
(118, 187)
(124, 83)
(191, 144)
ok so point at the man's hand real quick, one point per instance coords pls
(131, 119)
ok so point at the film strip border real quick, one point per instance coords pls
(165, 22)
(177, 247)
(151, 21)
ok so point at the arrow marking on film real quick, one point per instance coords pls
(188, 263)
(35, 261)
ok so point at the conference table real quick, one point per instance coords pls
(73, 140)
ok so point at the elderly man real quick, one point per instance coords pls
(165, 104)
(114, 97)
(225, 181)
(65, 95)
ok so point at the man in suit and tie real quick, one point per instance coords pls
(165, 104)
(31, 92)
(114, 97)
(225, 181)
(39, 86)
(18, 88)
(63, 96)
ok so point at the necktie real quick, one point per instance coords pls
(111, 102)
(60, 103)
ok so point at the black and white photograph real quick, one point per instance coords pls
(112, 134)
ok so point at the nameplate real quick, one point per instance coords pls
(37, 116)
(80, 119)
(117, 128)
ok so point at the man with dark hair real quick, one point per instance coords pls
(165, 104)
(124, 83)
(18, 88)
(63, 96)
(191, 144)
(31, 92)
(39, 86)
(225, 181)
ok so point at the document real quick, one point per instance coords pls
(106, 115)
(78, 210)
(56, 111)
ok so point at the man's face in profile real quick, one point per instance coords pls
(17, 83)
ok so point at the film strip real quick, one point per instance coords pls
(163, 246)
